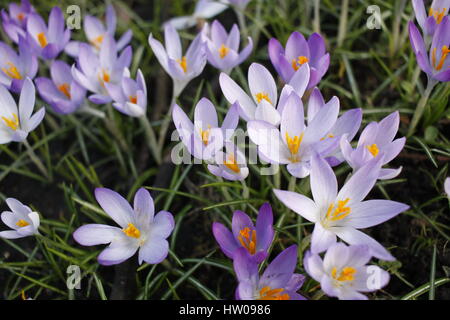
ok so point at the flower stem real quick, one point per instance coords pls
(292, 183)
(242, 24)
(36, 160)
(166, 121)
(151, 138)
(421, 106)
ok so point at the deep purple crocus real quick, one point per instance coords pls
(61, 92)
(15, 68)
(278, 282)
(95, 70)
(47, 41)
(254, 239)
(298, 52)
(436, 61)
(14, 21)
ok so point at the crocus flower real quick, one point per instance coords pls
(204, 9)
(223, 49)
(261, 104)
(429, 21)
(21, 219)
(436, 63)
(182, 68)
(204, 138)
(342, 214)
(294, 143)
(16, 123)
(96, 32)
(14, 22)
(344, 273)
(375, 140)
(447, 187)
(255, 240)
(47, 42)
(130, 96)
(61, 92)
(278, 282)
(95, 70)
(140, 229)
(15, 68)
(299, 52)
(348, 124)
(230, 165)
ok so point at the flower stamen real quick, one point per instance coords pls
(260, 96)
(293, 145)
(346, 274)
(183, 63)
(132, 231)
(248, 239)
(267, 293)
(12, 71)
(65, 89)
(223, 51)
(22, 223)
(340, 212)
(438, 15)
(297, 63)
(12, 123)
(231, 164)
(373, 149)
(42, 39)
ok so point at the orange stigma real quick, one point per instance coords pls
(297, 63)
(65, 89)
(267, 293)
(42, 39)
(247, 238)
(339, 212)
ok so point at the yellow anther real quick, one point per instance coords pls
(22, 223)
(247, 238)
(183, 63)
(42, 39)
(97, 42)
(204, 134)
(373, 149)
(262, 96)
(267, 293)
(132, 231)
(12, 71)
(293, 145)
(223, 51)
(104, 77)
(65, 89)
(438, 15)
(133, 99)
(297, 63)
(346, 274)
(339, 212)
(12, 123)
(231, 164)
(444, 53)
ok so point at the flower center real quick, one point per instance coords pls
(297, 63)
(267, 293)
(346, 274)
(12, 71)
(104, 77)
(65, 89)
(373, 149)
(204, 134)
(21, 16)
(330, 135)
(260, 96)
(247, 238)
(132, 231)
(97, 42)
(223, 51)
(231, 164)
(12, 123)
(133, 99)
(438, 15)
(339, 212)
(42, 39)
(444, 52)
(293, 145)
(183, 63)
(22, 223)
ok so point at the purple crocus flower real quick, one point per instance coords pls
(181, 68)
(223, 49)
(293, 144)
(22, 221)
(230, 165)
(15, 122)
(204, 138)
(435, 64)
(278, 282)
(262, 103)
(95, 70)
(96, 32)
(342, 214)
(347, 124)
(299, 52)
(255, 240)
(140, 229)
(61, 92)
(429, 21)
(344, 272)
(16, 67)
(130, 96)
(47, 42)
(376, 139)
(14, 22)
